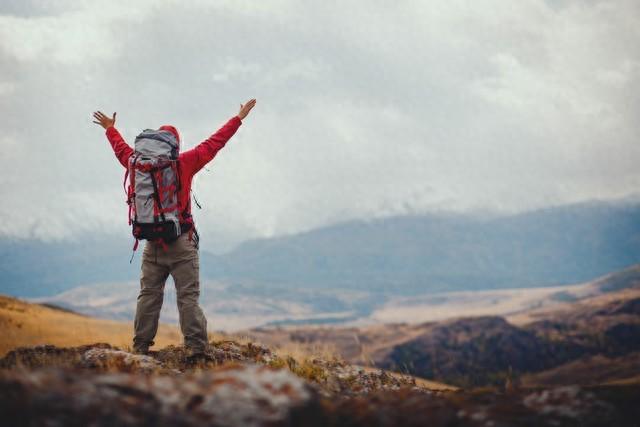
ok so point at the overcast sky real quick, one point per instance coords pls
(364, 109)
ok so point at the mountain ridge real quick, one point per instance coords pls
(403, 255)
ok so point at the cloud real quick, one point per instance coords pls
(363, 110)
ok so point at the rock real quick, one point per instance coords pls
(108, 359)
(566, 401)
(351, 380)
(105, 386)
(254, 395)
(220, 352)
(48, 355)
(240, 395)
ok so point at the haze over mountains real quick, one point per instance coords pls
(403, 255)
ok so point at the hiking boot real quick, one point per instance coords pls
(143, 351)
(200, 357)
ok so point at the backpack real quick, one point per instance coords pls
(154, 184)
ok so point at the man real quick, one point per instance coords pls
(179, 258)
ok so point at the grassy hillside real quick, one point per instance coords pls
(26, 324)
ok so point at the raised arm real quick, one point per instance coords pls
(121, 149)
(196, 158)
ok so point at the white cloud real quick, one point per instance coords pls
(71, 37)
(365, 110)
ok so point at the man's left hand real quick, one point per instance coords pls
(244, 109)
(103, 120)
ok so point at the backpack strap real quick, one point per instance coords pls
(163, 244)
(158, 206)
(124, 183)
(128, 193)
(131, 190)
(133, 252)
(198, 205)
(184, 216)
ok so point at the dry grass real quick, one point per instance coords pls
(25, 324)
(422, 382)
(303, 352)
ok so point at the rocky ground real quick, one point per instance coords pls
(249, 385)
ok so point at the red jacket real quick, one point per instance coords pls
(190, 162)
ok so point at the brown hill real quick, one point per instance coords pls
(476, 351)
(27, 324)
(589, 370)
(618, 286)
(471, 352)
(602, 319)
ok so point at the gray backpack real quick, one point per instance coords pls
(152, 195)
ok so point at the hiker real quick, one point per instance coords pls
(163, 257)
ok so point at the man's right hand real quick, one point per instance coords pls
(104, 121)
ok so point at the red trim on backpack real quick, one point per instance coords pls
(158, 175)
(163, 244)
(170, 208)
(167, 191)
(127, 191)
(176, 170)
(131, 195)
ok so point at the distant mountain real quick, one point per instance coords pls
(429, 253)
(32, 268)
(36, 268)
(398, 255)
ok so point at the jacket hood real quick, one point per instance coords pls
(171, 129)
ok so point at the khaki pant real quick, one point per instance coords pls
(181, 260)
